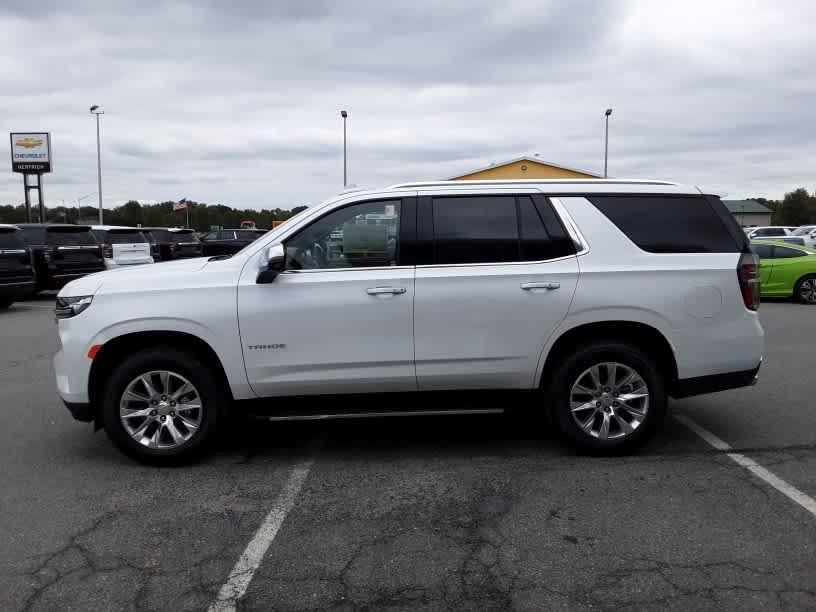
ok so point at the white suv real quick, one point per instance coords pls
(594, 300)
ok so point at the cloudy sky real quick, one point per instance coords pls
(238, 102)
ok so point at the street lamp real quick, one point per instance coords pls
(344, 115)
(606, 140)
(79, 206)
(95, 110)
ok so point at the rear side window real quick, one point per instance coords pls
(69, 237)
(477, 229)
(125, 237)
(785, 253)
(226, 235)
(34, 235)
(668, 224)
(763, 251)
(11, 239)
(485, 229)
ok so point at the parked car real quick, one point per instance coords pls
(769, 231)
(593, 300)
(808, 235)
(122, 246)
(228, 241)
(786, 270)
(162, 244)
(16, 266)
(187, 243)
(61, 253)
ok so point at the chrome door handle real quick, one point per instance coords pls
(546, 285)
(386, 290)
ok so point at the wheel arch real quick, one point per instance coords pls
(642, 335)
(798, 283)
(115, 349)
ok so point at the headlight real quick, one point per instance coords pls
(68, 307)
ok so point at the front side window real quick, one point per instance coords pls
(361, 235)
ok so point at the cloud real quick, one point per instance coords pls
(239, 103)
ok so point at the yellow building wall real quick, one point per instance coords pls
(523, 170)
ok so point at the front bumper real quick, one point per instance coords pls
(81, 411)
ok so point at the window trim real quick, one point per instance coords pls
(403, 208)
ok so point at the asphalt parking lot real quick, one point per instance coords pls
(488, 512)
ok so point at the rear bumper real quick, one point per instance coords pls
(701, 385)
(81, 411)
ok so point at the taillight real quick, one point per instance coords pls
(107, 251)
(748, 276)
(48, 253)
(172, 248)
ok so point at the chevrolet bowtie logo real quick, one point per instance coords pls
(29, 143)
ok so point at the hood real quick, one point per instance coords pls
(154, 273)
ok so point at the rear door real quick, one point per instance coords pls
(501, 275)
(129, 247)
(15, 258)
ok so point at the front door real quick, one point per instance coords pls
(339, 319)
(503, 275)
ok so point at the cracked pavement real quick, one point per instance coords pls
(486, 512)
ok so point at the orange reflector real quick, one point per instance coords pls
(94, 350)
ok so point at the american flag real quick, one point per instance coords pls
(180, 205)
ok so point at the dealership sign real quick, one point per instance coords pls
(31, 152)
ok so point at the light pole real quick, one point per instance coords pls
(344, 115)
(95, 110)
(79, 205)
(606, 140)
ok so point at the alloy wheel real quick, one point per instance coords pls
(161, 409)
(609, 401)
(807, 291)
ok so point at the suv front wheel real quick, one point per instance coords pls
(609, 397)
(161, 406)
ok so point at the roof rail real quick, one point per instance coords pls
(455, 183)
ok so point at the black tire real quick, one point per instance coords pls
(583, 358)
(801, 291)
(206, 382)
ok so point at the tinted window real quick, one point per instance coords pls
(785, 252)
(476, 229)
(542, 236)
(11, 239)
(764, 251)
(249, 234)
(125, 237)
(70, 237)
(34, 235)
(226, 235)
(183, 237)
(361, 235)
(668, 224)
(160, 235)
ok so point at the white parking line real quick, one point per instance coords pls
(787, 489)
(241, 575)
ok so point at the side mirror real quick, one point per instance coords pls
(273, 262)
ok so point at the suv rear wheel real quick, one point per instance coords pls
(609, 397)
(161, 406)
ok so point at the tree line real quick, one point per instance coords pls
(798, 207)
(202, 216)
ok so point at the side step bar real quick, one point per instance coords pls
(384, 413)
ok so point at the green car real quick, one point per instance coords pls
(786, 270)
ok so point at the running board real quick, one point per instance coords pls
(384, 413)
